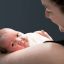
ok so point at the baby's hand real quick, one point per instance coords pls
(43, 33)
(26, 42)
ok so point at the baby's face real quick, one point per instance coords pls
(14, 40)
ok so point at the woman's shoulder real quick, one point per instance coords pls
(56, 52)
(46, 53)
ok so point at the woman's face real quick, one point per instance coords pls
(53, 12)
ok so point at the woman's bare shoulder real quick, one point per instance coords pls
(55, 53)
(46, 53)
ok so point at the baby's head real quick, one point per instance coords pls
(11, 40)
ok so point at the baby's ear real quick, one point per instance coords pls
(2, 50)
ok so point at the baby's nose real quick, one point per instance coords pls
(21, 42)
(22, 37)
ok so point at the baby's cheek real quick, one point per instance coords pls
(26, 44)
(19, 48)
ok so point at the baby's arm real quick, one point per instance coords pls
(43, 33)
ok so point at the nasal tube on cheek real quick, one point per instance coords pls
(23, 36)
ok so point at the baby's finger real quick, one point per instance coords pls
(37, 31)
(42, 31)
(26, 39)
(46, 35)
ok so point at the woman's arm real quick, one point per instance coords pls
(46, 53)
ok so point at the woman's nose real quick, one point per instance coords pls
(46, 14)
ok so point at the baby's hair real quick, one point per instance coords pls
(2, 32)
(2, 50)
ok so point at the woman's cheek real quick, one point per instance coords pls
(55, 21)
(53, 18)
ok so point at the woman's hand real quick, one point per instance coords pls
(43, 33)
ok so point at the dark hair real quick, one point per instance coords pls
(2, 32)
(2, 50)
(60, 4)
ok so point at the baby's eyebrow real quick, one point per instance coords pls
(17, 32)
(22, 34)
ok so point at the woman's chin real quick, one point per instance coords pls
(61, 29)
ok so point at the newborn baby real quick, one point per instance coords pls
(11, 40)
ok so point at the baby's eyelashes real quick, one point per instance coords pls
(17, 35)
(12, 44)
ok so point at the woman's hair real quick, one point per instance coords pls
(60, 4)
(2, 32)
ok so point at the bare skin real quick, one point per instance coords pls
(43, 33)
(13, 41)
(47, 53)
(52, 12)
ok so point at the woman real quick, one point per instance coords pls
(47, 53)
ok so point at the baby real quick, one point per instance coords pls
(11, 40)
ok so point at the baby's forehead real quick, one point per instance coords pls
(7, 30)
(12, 31)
